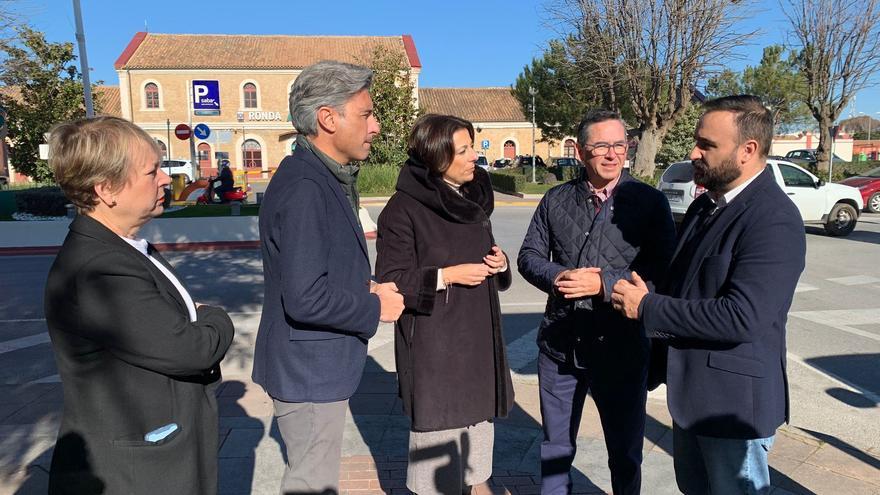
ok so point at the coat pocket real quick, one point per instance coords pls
(736, 364)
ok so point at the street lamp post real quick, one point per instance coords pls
(533, 92)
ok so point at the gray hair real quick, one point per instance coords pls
(327, 83)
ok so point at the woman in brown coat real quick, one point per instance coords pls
(435, 242)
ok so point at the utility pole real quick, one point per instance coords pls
(533, 92)
(83, 60)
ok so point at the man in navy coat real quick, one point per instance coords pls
(724, 305)
(320, 305)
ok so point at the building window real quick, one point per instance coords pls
(151, 95)
(568, 150)
(204, 155)
(163, 148)
(250, 95)
(509, 150)
(252, 154)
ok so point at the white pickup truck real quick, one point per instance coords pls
(834, 206)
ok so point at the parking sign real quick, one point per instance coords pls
(206, 97)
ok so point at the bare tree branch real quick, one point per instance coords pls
(657, 49)
(839, 55)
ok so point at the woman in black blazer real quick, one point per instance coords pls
(138, 359)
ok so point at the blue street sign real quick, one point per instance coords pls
(206, 97)
(201, 131)
(485, 144)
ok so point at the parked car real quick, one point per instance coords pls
(501, 163)
(868, 185)
(807, 158)
(834, 206)
(483, 163)
(179, 167)
(565, 162)
(526, 161)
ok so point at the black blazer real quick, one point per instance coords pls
(130, 361)
(317, 311)
(729, 292)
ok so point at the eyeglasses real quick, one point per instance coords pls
(599, 149)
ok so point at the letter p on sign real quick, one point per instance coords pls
(199, 91)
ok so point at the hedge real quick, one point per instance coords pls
(42, 201)
(377, 179)
(507, 182)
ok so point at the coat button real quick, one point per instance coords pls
(601, 338)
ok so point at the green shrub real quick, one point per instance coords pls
(566, 174)
(507, 182)
(377, 180)
(845, 170)
(42, 201)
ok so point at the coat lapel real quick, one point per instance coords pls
(334, 186)
(727, 216)
(88, 226)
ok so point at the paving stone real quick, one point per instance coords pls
(848, 462)
(658, 473)
(817, 480)
(237, 475)
(792, 447)
(35, 412)
(241, 443)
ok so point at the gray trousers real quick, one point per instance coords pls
(312, 434)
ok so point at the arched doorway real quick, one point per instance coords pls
(509, 149)
(203, 152)
(568, 149)
(252, 154)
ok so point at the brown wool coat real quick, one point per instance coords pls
(451, 360)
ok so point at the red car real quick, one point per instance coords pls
(869, 185)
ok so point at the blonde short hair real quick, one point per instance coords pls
(87, 152)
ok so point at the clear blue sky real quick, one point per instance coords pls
(461, 43)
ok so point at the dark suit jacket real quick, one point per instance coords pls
(725, 315)
(317, 312)
(130, 361)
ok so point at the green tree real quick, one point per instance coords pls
(778, 82)
(679, 141)
(394, 105)
(44, 88)
(725, 83)
(562, 96)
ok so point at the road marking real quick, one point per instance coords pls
(804, 288)
(24, 342)
(24, 320)
(855, 280)
(841, 382)
(843, 319)
(46, 379)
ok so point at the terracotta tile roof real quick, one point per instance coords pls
(108, 100)
(108, 96)
(235, 51)
(474, 104)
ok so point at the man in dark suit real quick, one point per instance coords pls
(585, 236)
(320, 305)
(724, 305)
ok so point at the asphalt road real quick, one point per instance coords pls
(833, 330)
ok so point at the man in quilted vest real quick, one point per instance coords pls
(586, 235)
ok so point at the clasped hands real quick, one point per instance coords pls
(628, 295)
(472, 274)
(390, 300)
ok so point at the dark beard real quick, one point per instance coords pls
(716, 179)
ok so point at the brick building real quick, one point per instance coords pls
(252, 76)
(497, 118)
